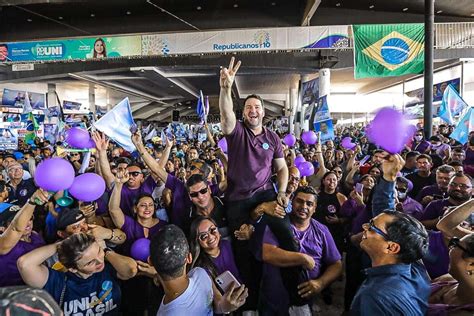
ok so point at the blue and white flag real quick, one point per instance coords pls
(27, 108)
(151, 134)
(206, 108)
(451, 105)
(200, 110)
(465, 125)
(116, 124)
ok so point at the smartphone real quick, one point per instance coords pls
(359, 187)
(133, 128)
(364, 160)
(224, 281)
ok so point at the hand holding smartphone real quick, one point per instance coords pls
(225, 280)
(359, 187)
(133, 128)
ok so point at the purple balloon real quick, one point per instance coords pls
(222, 144)
(140, 249)
(347, 143)
(299, 160)
(389, 129)
(87, 187)
(90, 144)
(54, 175)
(290, 140)
(78, 138)
(309, 138)
(306, 169)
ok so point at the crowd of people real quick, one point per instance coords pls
(243, 232)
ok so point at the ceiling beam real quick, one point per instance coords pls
(135, 106)
(311, 7)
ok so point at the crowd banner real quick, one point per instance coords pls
(81, 48)
(316, 37)
(246, 40)
(322, 120)
(451, 105)
(383, 50)
(465, 125)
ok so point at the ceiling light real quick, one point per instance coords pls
(472, 14)
(92, 15)
(189, 107)
(371, 6)
(60, 17)
(29, 20)
(198, 8)
(273, 3)
(439, 11)
(128, 12)
(236, 5)
(405, 9)
(338, 4)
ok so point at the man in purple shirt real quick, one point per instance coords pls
(459, 191)
(317, 254)
(405, 203)
(254, 153)
(439, 190)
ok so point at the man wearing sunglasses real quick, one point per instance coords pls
(397, 283)
(205, 204)
(459, 191)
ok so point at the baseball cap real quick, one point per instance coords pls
(18, 155)
(68, 216)
(7, 213)
(22, 300)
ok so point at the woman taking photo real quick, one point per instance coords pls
(90, 285)
(209, 251)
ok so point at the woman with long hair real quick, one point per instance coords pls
(100, 51)
(209, 251)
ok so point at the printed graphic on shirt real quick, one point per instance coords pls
(93, 304)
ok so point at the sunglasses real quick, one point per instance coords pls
(205, 235)
(196, 194)
(134, 173)
(456, 242)
(377, 230)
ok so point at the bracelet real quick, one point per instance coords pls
(113, 235)
(31, 202)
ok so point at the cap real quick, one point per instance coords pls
(18, 155)
(7, 213)
(25, 301)
(68, 216)
(9, 155)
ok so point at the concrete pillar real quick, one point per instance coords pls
(324, 82)
(92, 99)
(296, 125)
(52, 97)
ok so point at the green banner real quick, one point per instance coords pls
(384, 50)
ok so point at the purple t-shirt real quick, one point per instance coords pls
(134, 231)
(225, 260)
(9, 274)
(429, 190)
(317, 242)
(435, 209)
(437, 260)
(250, 161)
(412, 207)
(182, 204)
(357, 213)
(128, 195)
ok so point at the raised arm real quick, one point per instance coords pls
(384, 192)
(450, 223)
(31, 267)
(228, 119)
(210, 138)
(12, 235)
(101, 144)
(147, 158)
(281, 168)
(319, 157)
(126, 267)
(115, 211)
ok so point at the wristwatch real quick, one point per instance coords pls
(31, 202)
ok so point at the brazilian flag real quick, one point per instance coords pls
(384, 50)
(31, 127)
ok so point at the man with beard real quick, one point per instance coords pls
(439, 190)
(459, 191)
(423, 177)
(317, 255)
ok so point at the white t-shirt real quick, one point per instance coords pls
(196, 300)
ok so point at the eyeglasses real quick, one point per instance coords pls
(337, 171)
(460, 185)
(377, 230)
(456, 242)
(196, 194)
(205, 235)
(295, 179)
(134, 173)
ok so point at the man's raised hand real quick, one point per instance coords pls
(228, 74)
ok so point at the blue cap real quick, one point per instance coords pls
(18, 155)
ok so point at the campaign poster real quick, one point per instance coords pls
(8, 138)
(326, 128)
(16, 99)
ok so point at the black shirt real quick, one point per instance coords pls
(22, 193)
(218, 214)
(419, 183)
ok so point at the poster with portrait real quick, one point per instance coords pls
(16, 99)
(326, 128)
(8, 138)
